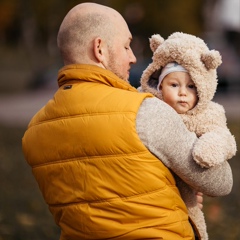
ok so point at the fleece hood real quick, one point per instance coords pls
(194, 55)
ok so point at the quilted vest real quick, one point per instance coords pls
(97, 177)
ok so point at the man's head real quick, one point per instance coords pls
(98, 35)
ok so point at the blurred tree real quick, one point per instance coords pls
(31, 26)
(144, 18)
(9, 22)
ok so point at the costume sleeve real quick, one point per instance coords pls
(216, 144)
(163, 132)
(211, 118)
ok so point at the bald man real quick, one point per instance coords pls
(94, 34)
(99, 150)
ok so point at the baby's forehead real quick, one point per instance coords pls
(179, 76)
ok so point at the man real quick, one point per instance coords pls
(88, 146)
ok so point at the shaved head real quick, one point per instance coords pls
(81, 26)
(95, 34)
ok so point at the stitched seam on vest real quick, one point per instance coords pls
(63, 161)
(80, 115)
(108, 200)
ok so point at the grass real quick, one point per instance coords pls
(25, 216)
(222, 214)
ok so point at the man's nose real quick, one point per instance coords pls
(132, 57)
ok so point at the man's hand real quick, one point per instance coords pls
(199, 199)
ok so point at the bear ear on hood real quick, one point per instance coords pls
(212, 59)
(155, 41)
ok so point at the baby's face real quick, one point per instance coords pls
(179, 91)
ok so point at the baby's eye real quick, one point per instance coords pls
(192, 86)
(174, 85)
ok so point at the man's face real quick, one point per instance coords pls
(121, 55)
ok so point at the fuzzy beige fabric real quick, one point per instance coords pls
(207, 119)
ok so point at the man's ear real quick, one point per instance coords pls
(98, 49)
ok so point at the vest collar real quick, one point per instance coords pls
(91, 73)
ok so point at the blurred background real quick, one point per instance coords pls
(29, 62)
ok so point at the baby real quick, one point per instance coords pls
(178, 89)
(183, 74)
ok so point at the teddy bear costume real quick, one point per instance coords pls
(207, 119)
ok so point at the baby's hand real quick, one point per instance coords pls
(213, 148)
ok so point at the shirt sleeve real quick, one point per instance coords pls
(163, 132)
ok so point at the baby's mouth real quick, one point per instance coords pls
(184, 103)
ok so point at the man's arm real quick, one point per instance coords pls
(163, 132)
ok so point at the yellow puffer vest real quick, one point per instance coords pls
(97, 177)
